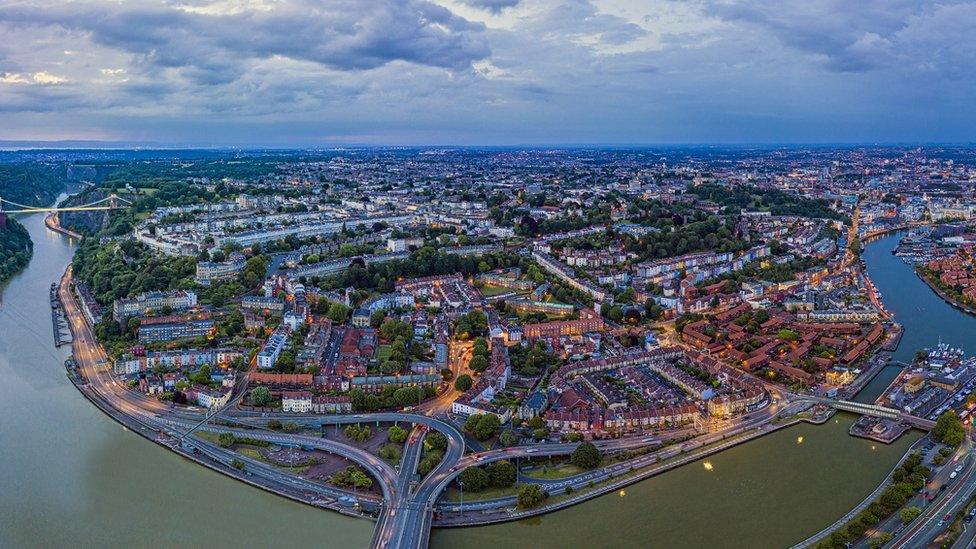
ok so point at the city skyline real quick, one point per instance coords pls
(485, 72)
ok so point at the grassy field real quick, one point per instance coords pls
(555, 472)
(488, 290)
(383, 353)
(452, 494)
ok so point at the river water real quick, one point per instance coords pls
(70, 475)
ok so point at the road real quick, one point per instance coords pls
(930, 524)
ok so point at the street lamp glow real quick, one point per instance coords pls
(708, 465)
(622, 493)
(799, 440)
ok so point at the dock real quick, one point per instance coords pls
(62, 333)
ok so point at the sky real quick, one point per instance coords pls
(487, 72)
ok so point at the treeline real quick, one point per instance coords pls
(709, 234)
(774, 201)
(32, 184)
(15, 249)
(907, 479)
(117, 270)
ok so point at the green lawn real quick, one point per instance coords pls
(383, 353)
(452, 494)
(488, 290)
(555, 472)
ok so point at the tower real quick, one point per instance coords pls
(3, 216)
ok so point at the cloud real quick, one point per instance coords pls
(494, 6)
(855, 36)
(215, 46)
(40, 77)
(490, 71)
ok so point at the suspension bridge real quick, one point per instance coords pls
(111, 202)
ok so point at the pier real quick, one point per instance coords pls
(62, 333)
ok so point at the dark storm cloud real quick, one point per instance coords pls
(494, 6)
(513, 71)
(214, 48)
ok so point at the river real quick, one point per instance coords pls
(71, 475)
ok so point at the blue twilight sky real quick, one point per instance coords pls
(307, 72)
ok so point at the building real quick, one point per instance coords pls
(260, 302)
(331, 405)
(272, 348)
(153, 301)
(588, 321)
(395, 245)
(297, 402)
(173, 327)
(209, 271)
(89, 306)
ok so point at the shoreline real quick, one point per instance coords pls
(941, 293)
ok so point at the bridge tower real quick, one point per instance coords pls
(3, 215)
(112, 201)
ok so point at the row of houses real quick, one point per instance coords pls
(141, 304)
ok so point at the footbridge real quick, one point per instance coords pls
(875, 410)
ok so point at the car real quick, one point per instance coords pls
(953, 474)
(969, 516)
(948, 515)
(958, 469)
(940, 524)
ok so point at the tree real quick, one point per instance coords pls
(463, 382)
(274, 425)
(502, 474)
(482, 426)
(351, 476)
(357, 432)
(429, 461)
(290, 427)
(338, 313)
(478, 363)
(586, 456)
(881, 539)
(396, 434)
(508, 438)
(225, 440)
(390, 452)
(474, 479)
(909, 514)
(237, 464)
(949, 429)
(447, 374)
(530, 495)
(435, 440)
(376, 318)
(261, 396)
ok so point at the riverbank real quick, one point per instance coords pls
(52, 221)
(16, 249)
(633, 476)
(942, 294)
